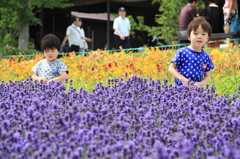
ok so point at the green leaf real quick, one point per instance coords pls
(16, 13)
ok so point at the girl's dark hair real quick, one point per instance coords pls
(195, 24)
(50, 41)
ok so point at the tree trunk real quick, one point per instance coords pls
(23, 37)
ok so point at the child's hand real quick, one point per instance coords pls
(43, 79)
(50, 80)
(198, 84)
(184, 81)
(226, 18)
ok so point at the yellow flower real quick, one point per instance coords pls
(230, 44)
(219, 92)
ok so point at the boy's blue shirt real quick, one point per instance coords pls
(192, 64)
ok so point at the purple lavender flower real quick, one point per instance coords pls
(161, 153)
(137, 118)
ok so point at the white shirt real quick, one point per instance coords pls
(49, 70)
(82, 40)
(225, 10)
(74, 33)
(123, 25)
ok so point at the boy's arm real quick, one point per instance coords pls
(62, 77)
(205, 81)
(173, 70)
(37, 78)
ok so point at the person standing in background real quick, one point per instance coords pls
(74, 35)
(122, 29)
(188, 13)
(83, 44)
(212, 14)
(229, 10)
(220, 4)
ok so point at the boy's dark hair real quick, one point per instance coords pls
(73, 19)
(50, 41)
(195, 24)
(190, 1)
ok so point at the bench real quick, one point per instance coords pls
(184, 39)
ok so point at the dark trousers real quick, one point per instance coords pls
(124, 43)
(74, 48)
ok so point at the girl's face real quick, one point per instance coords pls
(198, 38)
(51, 54)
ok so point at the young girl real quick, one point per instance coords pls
(229, 13)
(191, 63)
(50, 68)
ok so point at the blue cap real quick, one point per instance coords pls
(121, 9)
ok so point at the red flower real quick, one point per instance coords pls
(71, 54)
(129, 65)
(204, 65)
(38, 57)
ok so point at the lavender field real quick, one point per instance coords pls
(134, 119)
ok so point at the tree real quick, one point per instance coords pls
(22, 12)
(8, 27)
(167, 19)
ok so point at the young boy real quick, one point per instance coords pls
(191, 63)
(50, 68)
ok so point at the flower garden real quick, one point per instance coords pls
(120, 105)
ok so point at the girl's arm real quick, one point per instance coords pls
(232, 2)
(205, 81)
(173, 70)
(62, 77)
(37, 78)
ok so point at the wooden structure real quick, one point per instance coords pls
(57, 20)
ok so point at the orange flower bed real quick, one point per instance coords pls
(153, 63)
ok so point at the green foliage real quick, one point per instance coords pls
(134, 25)
(16, 13)
(9, 50)
(24, 8)
(167, 19)
(8, 28)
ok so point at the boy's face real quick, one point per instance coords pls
(51, 54)
(198, 38)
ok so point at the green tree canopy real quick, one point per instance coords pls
(17, 14)
(167, 19)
